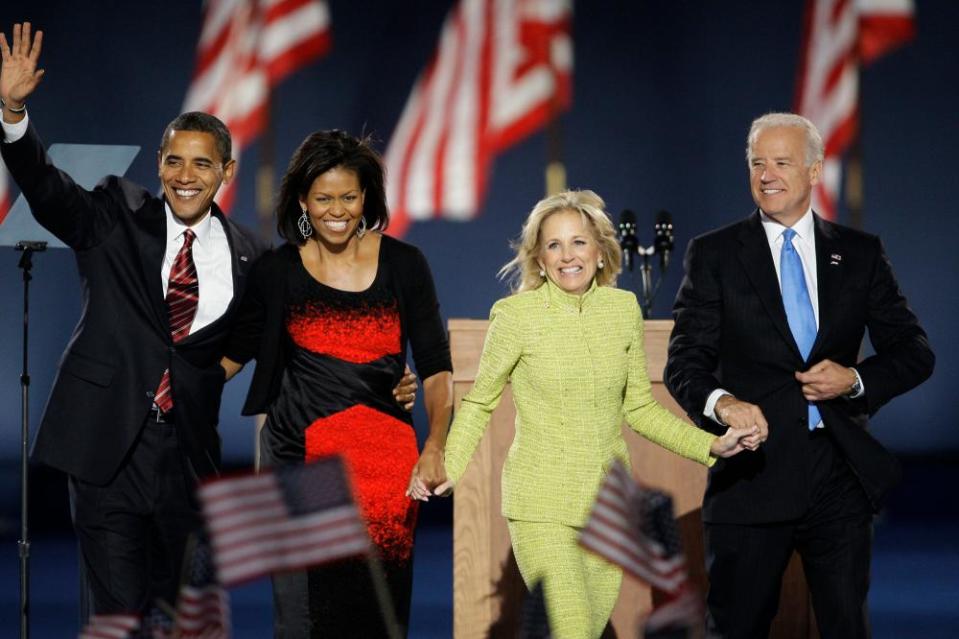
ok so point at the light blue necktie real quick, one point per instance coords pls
(799, 313)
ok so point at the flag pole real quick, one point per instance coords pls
(555, 169)
(383, 595)
(853, 187)
(264, 172)
(264, 216)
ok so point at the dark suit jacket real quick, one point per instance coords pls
(731, 332)
(108, 374)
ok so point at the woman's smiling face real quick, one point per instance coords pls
(568, 251)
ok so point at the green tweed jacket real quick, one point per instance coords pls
(577, 368)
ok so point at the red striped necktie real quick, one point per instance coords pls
(183, 295)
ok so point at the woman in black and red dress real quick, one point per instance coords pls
(328, 317)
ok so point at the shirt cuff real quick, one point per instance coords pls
(13, 132)
(862, 387)
(710, 408)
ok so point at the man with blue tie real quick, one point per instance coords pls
(769, 322)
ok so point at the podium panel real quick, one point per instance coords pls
(487, 588)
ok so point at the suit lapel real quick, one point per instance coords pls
(152, 244)
(829, 274)
(240, 261)
(757, 263)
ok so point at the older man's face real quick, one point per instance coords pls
(779, 178)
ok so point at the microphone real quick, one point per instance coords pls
(664, 242)
(627, 238)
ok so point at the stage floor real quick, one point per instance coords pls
(915, 586)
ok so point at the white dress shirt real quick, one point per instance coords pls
(214, 265)
(805, 244)
(211, 252)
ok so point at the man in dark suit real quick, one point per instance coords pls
(769, 321)
(133, 411)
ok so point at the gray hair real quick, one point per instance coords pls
(814, 145)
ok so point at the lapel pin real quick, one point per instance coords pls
(835, 259)
(243, 258)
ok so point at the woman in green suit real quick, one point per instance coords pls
(572, 346)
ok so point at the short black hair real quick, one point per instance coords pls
(204, 123)
(320, 152)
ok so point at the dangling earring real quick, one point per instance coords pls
(361, 228)
(601, 265)
(303, 223)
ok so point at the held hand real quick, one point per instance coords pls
(19, 75)
(428, 473)
(445, 489)
(736, 440)
(826, 380)
(405, 391)
(742, 415)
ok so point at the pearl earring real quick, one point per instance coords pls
(601, 264)
(542, 273)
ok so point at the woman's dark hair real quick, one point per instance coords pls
(320, 152)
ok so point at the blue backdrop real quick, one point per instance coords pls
(663, 96)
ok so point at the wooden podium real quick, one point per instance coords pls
(487, 588)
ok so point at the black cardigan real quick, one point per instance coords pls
(259, 331)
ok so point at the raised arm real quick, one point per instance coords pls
(80, 218)
(19, 76)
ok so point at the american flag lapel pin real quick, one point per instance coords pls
(835, 259)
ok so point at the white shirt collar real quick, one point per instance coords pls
(804, 227)
(175, 227)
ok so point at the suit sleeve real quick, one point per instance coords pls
(694, 342)
(903, 358)
(247, 330)
(80, 218)
(648, 418)
(501, 352)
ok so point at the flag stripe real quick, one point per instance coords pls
(500, 71)
(246, 47)
(4, 192)
(838, 36)
(616, 531)
(290, 518)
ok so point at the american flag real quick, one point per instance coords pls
(288, 518)
(678, 618)
(246, 47)
(203, 606)
(502, 70)
(838, 36)
(4, 192)
(634, 528)
(158, 623)
(118, 626)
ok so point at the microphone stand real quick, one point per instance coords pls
(23, 545)
(646, 273)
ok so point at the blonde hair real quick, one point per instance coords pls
(523, 270)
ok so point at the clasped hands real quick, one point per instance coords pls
(748, 427)
(429, 473)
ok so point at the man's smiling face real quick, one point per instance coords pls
(191, 172)
(781, 178)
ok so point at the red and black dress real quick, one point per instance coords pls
(331, 393)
